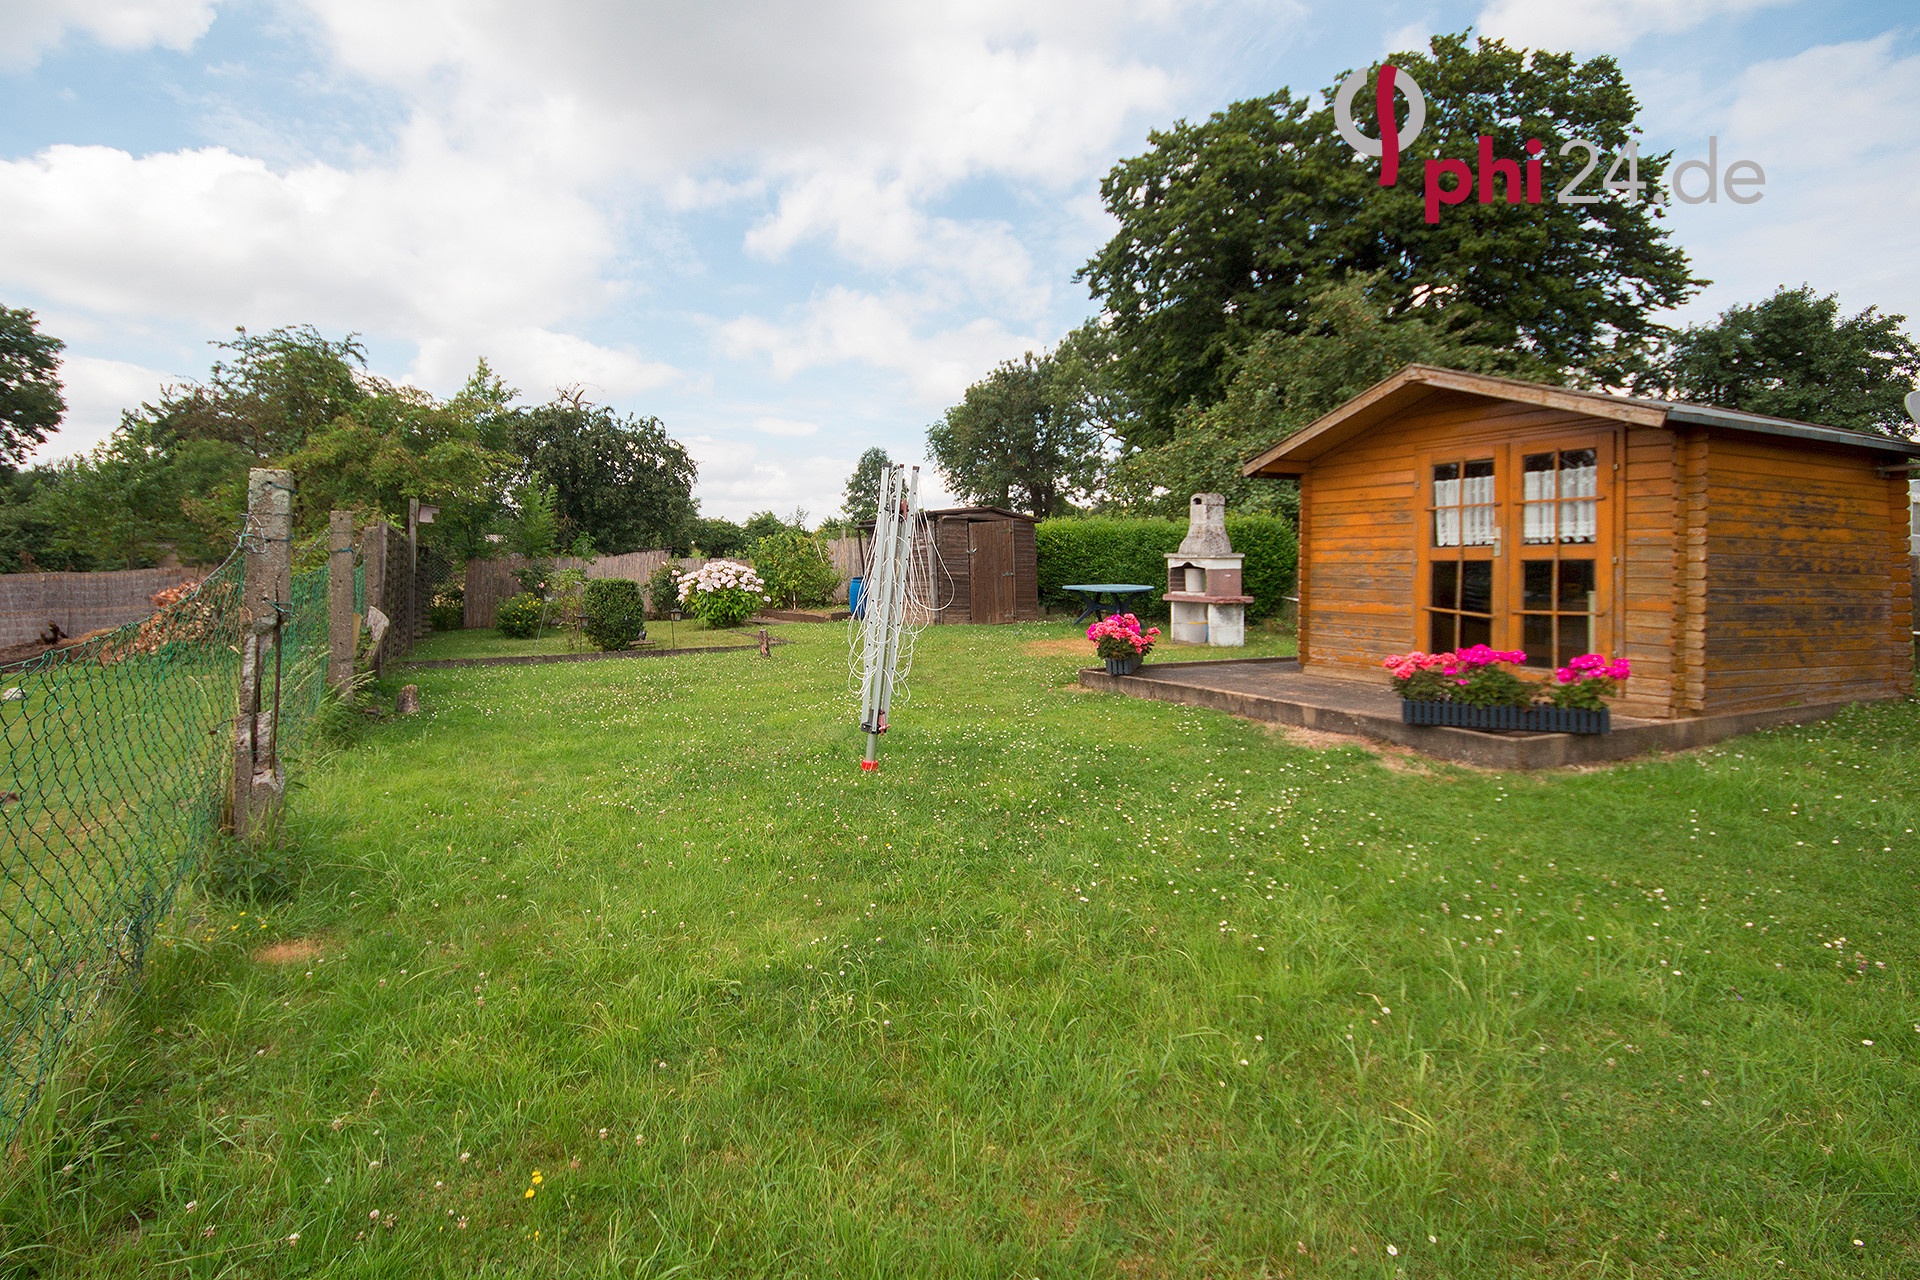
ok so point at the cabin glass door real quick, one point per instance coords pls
(1461, 589)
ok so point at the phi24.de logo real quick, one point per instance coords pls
(1521, 180)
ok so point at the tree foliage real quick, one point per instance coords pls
(1285, 379)
(621, 481)
(1020, 438)
(862, 497)
(1794, 355)
(31, 403)
(173, 477)
(1228, 227)
(714, 536)
(796, 568)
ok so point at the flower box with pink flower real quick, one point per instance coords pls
(1477, 688)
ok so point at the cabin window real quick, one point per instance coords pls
(1557, 608)
(1460, 601)
(1465, 505)
(1558, 497)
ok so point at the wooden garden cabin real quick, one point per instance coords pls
(1743, 563)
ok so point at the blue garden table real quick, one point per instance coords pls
(1120, 597)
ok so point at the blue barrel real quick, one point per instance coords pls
(854, 591)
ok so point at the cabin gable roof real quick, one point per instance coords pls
(1396, 394)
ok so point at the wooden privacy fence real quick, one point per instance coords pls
(849, 557)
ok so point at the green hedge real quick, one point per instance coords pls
(1117, 550)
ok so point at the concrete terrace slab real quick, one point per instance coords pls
(1276, 690)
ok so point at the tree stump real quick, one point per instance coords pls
(409, 700)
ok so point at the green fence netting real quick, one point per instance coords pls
(115, 756)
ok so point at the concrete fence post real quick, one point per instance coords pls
(373, 554)
(258, 779)
(343, 629)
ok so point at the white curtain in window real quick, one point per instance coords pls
(1579, 519)
(1538, 518)
(1480, 523)
(1446, 520)
(1477, 497)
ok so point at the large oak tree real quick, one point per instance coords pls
(1229, 226)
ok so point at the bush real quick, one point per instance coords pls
(448, 612)
(663, 591)
(1104, 549)
(796, 569)
(722, 593)
(615, 614)
(1273, 561)
(519, 616)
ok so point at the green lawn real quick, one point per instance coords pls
(487, 642)
(1076, 985)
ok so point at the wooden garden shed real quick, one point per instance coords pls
(1743, 563)
(986, 569)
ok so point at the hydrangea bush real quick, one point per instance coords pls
(1119, 637)
(1482, 676)
(724, 593)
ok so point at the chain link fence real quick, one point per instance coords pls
(115, 760)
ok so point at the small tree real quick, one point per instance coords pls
(614, 613)
(535, 533)
(30, 401)
(1020, 438)
(862, 497)
(796, 569)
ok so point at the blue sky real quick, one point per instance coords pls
(790, 231)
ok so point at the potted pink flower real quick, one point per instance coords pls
(1121, 643)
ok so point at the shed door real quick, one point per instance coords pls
(990, 556)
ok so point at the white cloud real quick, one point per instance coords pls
(1596, 26)
(785, 427)
(853, 116)
(97, 390)
(1834, 215)
(433, 238)
(739, 478)
(433, 247)
(28, 28)
(882, 330)
(1414, 36)
(993, 84)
